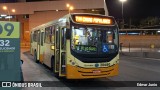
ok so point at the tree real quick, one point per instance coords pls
(149, 21)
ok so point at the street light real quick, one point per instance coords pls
(70, 8)
(122, 10)
(6, 9)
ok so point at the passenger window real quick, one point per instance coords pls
(48, 34)
(42, 38)
(57, 37)
(63, 34)
(53, 35)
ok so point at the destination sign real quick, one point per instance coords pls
(86, 48)
(93, 20)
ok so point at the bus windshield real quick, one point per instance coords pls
(94, 40)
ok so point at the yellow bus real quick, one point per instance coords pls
(78, 46)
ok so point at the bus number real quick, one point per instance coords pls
(8, 27)
(4, 43)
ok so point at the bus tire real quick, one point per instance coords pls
(35, 57)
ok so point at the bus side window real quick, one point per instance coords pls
(42, 38)
(63, 34)
(53, 35)
(35, 36)
(31, 37)
(38, 37)
(57, 37)
(48, 35)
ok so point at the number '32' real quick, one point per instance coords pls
(4, 43)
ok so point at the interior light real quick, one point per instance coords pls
(67, 5)
(110, 41)
(109, 32)
(52, 47)
(8, 17)
(3, 15)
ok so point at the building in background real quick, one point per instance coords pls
(32, 13)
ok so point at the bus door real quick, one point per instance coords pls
(41, 47)
(62, 66)
(57, 45)
(60, 51)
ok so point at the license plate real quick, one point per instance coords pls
(96, 71)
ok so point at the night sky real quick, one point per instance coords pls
(134, 8)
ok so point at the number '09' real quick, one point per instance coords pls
(8, 27)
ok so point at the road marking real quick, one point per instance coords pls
(153, 59)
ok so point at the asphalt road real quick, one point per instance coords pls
(131, 69)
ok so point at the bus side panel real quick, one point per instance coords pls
(74, 72)
(47, 55)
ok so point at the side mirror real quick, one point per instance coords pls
(68, 34)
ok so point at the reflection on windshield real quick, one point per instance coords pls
(94, 40)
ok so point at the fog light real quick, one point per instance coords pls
(73, 63)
